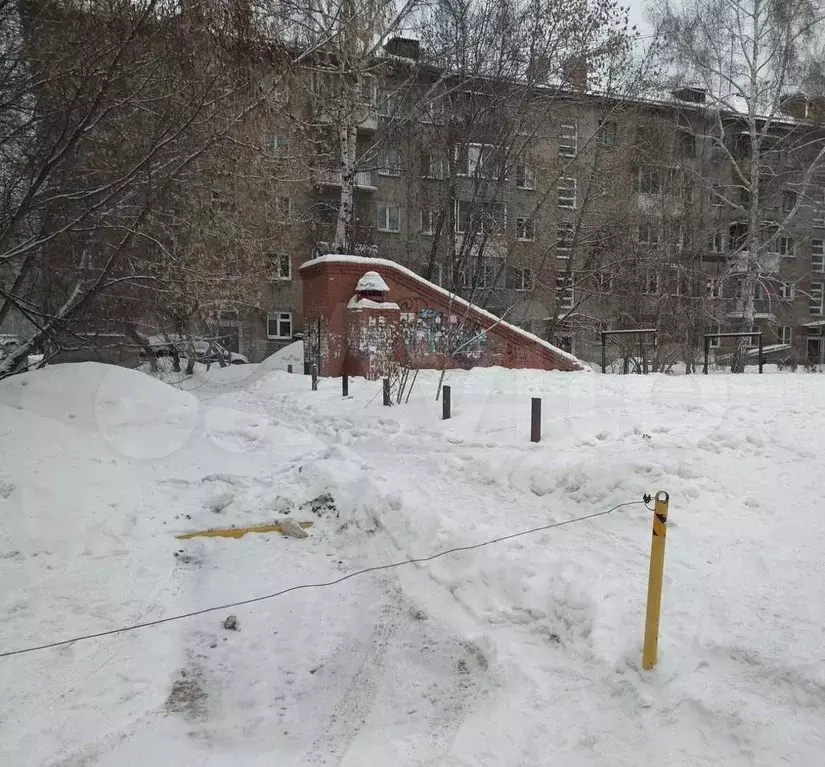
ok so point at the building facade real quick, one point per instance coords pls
(566, 212)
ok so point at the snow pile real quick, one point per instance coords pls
(291, 354)
(372, 282)
(500, 655)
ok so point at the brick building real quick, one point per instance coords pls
(365, 314)
(584, 214)
(564, 210)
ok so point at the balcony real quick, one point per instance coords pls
(365, 117)
(367, 250)
(768, 263)
(332, 178)
(493, 245)
(763, 309)
(660, 204)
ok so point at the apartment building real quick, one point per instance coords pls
(566, 211)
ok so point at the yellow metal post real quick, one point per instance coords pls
(654, 584)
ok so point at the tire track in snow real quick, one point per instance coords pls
(455, 665)
(350, 713)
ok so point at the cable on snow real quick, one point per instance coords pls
(322, 584)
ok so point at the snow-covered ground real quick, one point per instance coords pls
(522, 653)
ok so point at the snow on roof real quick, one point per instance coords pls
(372, 282)
(337, 258)
(367, 303)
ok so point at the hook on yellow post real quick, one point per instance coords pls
(654, 583)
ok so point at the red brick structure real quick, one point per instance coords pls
(362, 316)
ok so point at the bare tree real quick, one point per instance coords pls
(106, 109)
(751, 57)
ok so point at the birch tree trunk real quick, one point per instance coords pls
(348, 136)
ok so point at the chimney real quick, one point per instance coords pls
(794, 105)
(690, 94)
(538, 70)
(816, 109)
(575, 73)
(405, 47)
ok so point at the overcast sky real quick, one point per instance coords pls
(638, 14)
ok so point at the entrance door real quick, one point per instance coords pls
(814, 350)
(229, 337)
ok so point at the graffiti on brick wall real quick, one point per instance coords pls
(372, 340)
(428, 331)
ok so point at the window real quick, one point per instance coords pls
(387, 102)
(488, 272)
(687, 144)
(645, 135)
(564, 293)
(434, 112)
(482, 160)
(737, 237)
(484, 216)
(278, 143)
(389, 162)
(283, 207)
(525, 230)
(650, 180)
(759, 292)
(604, 282)
(717, 194)
(786, 291)
(744, 197)
(650, 284)
(220, 202)
(815, 298)
(714, 288)
(648, 234)
(787, 247)
(482, 274)
(818, 255)
(818, 208)
(327, 211)
(325, 83)
(429, 220)
(432, 165)
(568, 139)
(672, 178)
(389, 218)
(368, 91)
(714, 342)
(520, 279)
(608, 132)
(567, 192)
(565, 235)
(717, 243)
(279, 325)
(525, 176)
(741, 146)
(563, 337)
(677, 283)
(783, 334)
(788, 201)
(283, 266)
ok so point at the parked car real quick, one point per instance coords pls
(8, 343)
(208, 351)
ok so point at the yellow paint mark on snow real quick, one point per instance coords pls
(238, 532)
